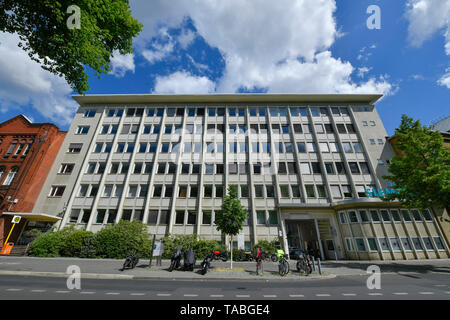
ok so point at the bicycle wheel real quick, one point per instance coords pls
(172, 266)
(283, 268)
(135, 262)
(274, 257)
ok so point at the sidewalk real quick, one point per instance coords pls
(110, 269)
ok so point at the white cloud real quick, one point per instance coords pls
(159, 50)
(23, 82)
(426, 17)
(263, 44)
(445, 80)
(183, 83)
(121, 64)
(186, 38)
(362, 71)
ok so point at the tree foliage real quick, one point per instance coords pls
(105, 26)
(230, 218)
(422, 170)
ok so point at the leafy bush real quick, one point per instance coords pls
(72, 241)
(119, 240)
(266, 246)
(46, 245)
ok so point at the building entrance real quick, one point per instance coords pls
(302, 234)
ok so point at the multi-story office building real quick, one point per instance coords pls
(307, 167)
(27, 152)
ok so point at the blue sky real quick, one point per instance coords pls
(310, 46)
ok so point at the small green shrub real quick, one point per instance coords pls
(266, 246)
(46, 245)
(201, 247)
(72, 241)
(119, 240)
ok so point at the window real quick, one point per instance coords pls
(311, 147)
(157, 191)
(310, 191)
(352, 217)
(406, 244)
(301, 147)
(316, 167)
(82, 130)
(341, 128)
(360, 191)
(340, 168)
(168, 193)
(295, 191)
(66, 168)
(10, 177)
(342, 217)
(284, 189)
(208, 191)
(384, 244)
(206, 217)
(335, 191)
(292, 168)
(321, 191)
(57, 191)
(357, 147)
(347, 147)
(347, 191)
(364, 167)
(405, 215)
(89, 114)
(259, 193)
(395, 244)
(395, 216)
(385, 215)
(118, 191)
(426, 214)
(354, 168)
(91, 168)
(334, 147)
(363, 216)
(193, 191)
(438, 243)
(374, 215)
(74, 215)
(349, 244)
(372, 244)
(260, 217)
(273, 218)
(350, 128)
(416, 215)
(132, 191)
(417, 243)
(319, 128)
(329, 167)
(143, 191)
(107, 192)
(244, 191)
(428, 243)
(179, 217)
(75, 148)
(101, 213)
(360, 244)
(323, 146)
(305, 168)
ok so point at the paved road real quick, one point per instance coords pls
(393, 286)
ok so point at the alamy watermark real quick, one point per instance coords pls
(374, 20)
(74, 279)
(374, 280)
(74, 20)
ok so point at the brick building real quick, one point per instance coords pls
(27, 152)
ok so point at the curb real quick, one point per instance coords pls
(134, 277)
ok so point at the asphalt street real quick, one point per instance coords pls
(393, 287)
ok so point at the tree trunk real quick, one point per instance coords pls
(231, 250)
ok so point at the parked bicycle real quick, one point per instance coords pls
(220, 255)
(176, 259)
(130, 261)
(206, 264)
(283, 264)
(304, 263)
(259, 259)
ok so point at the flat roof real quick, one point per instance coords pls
(230, 98)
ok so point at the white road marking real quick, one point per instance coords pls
(137, 294)
(39, 291)
(242, 296)
(375, 294)
(113, 293)
(270, 296)
(349, 294)
(440, 285)
(216, 295)
(322, 295)
(191, 295)
(296, 296)
(400, 293)
(87, 292)
(164, 294)
(13, 289)
(61, 291)
(426, 292)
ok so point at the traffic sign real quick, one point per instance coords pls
(16, 219)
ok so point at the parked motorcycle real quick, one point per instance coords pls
(189, 260)
(206, 264)
(176, 259)
(220, 255)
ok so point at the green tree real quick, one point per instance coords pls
(105, 26)
(422, 169)
(230, 218)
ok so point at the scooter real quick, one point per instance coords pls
(220, 255)
(176, 259)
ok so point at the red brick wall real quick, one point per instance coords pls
(33, 169)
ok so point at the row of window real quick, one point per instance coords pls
(393, 243)
(362, 216)
(232, 112)
(18, 150)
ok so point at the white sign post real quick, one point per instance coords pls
(241, 244)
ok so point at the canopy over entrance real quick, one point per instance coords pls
(32, 216)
